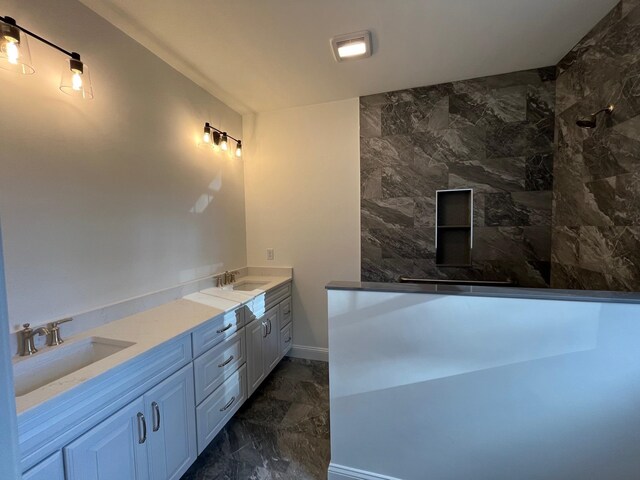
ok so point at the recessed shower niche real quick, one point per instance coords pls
(454, 227)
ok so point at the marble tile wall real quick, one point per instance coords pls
(493, 134)
(596, 194)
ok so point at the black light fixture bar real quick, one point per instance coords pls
(214, 129)
(11, 21)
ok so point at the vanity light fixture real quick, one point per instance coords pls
(351, 46)
(16, 57)
(212, 137)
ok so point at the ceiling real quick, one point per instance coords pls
(260, 55)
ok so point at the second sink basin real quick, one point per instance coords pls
(56, 362)
(248, 286)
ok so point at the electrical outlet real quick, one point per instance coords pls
(270, 254)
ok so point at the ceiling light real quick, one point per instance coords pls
(352, 46)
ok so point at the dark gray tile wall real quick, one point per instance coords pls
(493, 134)
(596, 195)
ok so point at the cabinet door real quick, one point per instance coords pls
(170, 408)
(272, 340)
(51, 468)
(256, 332)
(115, 448)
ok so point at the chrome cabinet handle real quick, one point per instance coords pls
(264, 325)
(269, 323)
(227, 327)
(142, 437)
(156, 416)
(226, 362)
(233, 399)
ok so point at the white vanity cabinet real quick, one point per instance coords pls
(171, 426)
(256, 371)
(272, 339)
(51, 468)
(154, 437)
(115, 448)
(268, 340)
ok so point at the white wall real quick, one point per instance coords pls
(109, 199)
(302, 168)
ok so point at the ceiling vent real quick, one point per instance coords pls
(351, 46)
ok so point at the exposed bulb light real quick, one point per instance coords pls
(224, 143)
(12, 52)
(14, 48)
(206, 136)
(351, 46)
(239, 149)
(75, 79)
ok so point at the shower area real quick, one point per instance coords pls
(550, 156)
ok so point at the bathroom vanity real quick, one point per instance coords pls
(142, 397)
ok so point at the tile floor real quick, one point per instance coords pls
(280, 433)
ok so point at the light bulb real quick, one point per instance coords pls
(12, 52)
(224, 145)
(206, 138)
(239, 149)
(76, 81)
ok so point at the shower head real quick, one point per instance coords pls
(592, 120)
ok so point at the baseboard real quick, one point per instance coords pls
(309, 353)
(340, 472)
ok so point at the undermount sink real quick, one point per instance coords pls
(54, 363)
(246, 286)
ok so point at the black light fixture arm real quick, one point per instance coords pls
(11, 21)
(214, 129)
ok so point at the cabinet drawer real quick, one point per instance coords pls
(216, 330)
(274, 297)
(285, 312)
(286, 339)
(219, 407)
(213, 367)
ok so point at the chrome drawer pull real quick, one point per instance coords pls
(142, 437)
(233, 399)
(226, 362)
(264, 325)
(269, 323)
(225, 328)
(156, 416)
(287, 340)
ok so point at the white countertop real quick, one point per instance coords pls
(146, 330)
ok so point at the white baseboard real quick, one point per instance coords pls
(340, 472)
(309, 353)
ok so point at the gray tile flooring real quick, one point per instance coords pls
(281, 432)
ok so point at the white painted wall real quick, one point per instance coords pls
(109, 199)
(302, 168)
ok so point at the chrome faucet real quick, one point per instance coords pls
(54, 332)
(27, 333)
(225, 278)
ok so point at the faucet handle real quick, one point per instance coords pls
(58, 322)
(26, 326)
